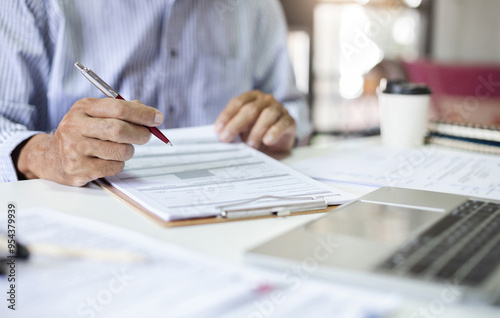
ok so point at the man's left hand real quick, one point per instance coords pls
(260, 121)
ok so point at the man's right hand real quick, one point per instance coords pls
(93, 140)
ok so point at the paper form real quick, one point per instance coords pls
(171, 282)
(200, 174)
(426, 168)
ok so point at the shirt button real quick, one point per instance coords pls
(173, 53)
(171, 109)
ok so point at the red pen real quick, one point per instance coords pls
(108, 91)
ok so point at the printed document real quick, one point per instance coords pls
(200, 175)
(170, 281)
(430, 168)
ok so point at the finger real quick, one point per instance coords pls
(267, 119)
(281, 134)
(245, 118)
(106, 149)
(245, 133)
(132, 112)
(115, 130)
(233, 107)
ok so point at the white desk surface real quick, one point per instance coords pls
(226, 241)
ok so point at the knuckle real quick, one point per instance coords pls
(104, 125)
(250, 110)
(88, 100)
(142, 136)
(119, 130)
(124, 152)
(273, 112)
(107, 168)
(238, 101)
(65, 124)
(269, 98)
(115, 168)
(119, 110)
(149, 113)
(84, 102)
(288, 120)
(280, 126)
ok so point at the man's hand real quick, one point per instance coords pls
(260, 120)
(93, 140)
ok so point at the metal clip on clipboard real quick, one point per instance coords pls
(293, 205)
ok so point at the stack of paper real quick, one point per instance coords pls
(168, 282)
(200, 175)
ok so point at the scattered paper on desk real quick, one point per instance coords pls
(171, 282)
(427, 168)
(200, 174)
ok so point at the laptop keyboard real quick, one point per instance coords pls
(463, 247)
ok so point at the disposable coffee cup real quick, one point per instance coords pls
(404, 109)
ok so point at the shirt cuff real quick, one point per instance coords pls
(7, 170)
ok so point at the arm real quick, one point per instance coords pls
(275, 113)
(24, 63)
(273, 73)
(94, 138)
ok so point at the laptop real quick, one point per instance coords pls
(415, 242)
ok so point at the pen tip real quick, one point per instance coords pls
(170, 143)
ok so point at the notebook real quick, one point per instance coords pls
(467, 136)
(466, 130)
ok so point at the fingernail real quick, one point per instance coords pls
(251, 143)
(225, 136)
(268, 139)
(158, 118)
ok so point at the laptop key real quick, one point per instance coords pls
(484, 268)
(400, 257)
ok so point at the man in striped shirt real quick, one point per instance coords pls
(196, 61)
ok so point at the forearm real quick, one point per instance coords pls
(272, 70)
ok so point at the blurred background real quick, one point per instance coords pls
(341, 49)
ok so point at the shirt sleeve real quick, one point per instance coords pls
(24, 64)
(273, 72)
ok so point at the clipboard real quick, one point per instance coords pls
(281, 210)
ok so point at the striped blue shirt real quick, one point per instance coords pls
(187, 58)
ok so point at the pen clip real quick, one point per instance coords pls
(273, 205)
